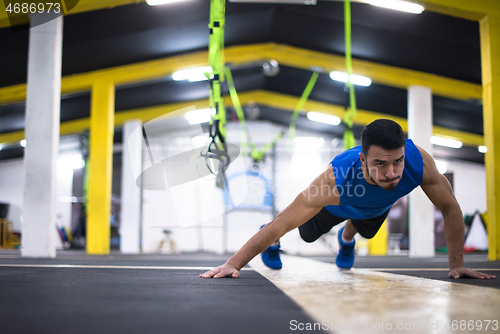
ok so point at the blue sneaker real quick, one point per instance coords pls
(345, 257)
(271, 256)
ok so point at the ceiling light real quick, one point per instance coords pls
(446, 142)
(1, 146)
(355, 79)
(200, 116)
(323, 118)
(160, 2)
(23, 143)
(482, 149)
(398, 5)
(192, 74)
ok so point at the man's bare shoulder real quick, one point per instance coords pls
(327, 177)
(322, 191)
(329, 174)
(430, 173)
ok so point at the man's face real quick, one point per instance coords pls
(384, 167)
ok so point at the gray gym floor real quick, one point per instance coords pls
(417, 267)
(79, 293)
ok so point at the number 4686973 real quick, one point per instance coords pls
(32, 8)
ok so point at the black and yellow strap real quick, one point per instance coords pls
(350, 113)
(258, 154)
(216, 61)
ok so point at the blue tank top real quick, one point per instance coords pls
(361, 200)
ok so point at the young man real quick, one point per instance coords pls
(360, 186)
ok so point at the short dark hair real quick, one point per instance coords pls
(384, 133)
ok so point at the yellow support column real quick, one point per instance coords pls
(490, 61)
(378, 244)
(101, 160)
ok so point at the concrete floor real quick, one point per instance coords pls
(379, 301)
(119, 293)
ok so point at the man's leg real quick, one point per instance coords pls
(318, 225)
(349, 231)
(271, 256)
(345, 256)
(310, 231)
(367, 228)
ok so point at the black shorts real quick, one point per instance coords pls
(324, 221)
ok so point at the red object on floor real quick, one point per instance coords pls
(469, 249)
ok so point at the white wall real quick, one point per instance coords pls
(11, 189)
(469, 184)
(159, 213)
(66, 162)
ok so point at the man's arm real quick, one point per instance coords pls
(307, 204)
(439, 191)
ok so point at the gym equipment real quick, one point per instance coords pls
(4, 210)
(350, 114)
(7, 238)
(258, 155)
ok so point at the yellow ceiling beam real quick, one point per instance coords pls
(284, 54)
(120, 75)
(90, 5)
(12, 137)
(363, 117)
(262, 97)
(81, 7)
(472, 10)
(149, 113)
(382, 74)
(66, 128)
(467, 9)
(83, 124)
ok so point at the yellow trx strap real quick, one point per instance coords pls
(350, 113)
(216, 61)
(300, 105)
(258, 155)
(238, 109)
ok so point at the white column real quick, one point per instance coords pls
(131, 195)
(421, 210)
(42, 137)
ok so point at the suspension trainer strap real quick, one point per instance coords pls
(350, 114)
(216, 61)
(295, 115)
(258, 155)
(238, 109)
(217, 150)
(300, 106)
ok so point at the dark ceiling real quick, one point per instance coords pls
(428, 42)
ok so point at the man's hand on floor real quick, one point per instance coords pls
(226, 270)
